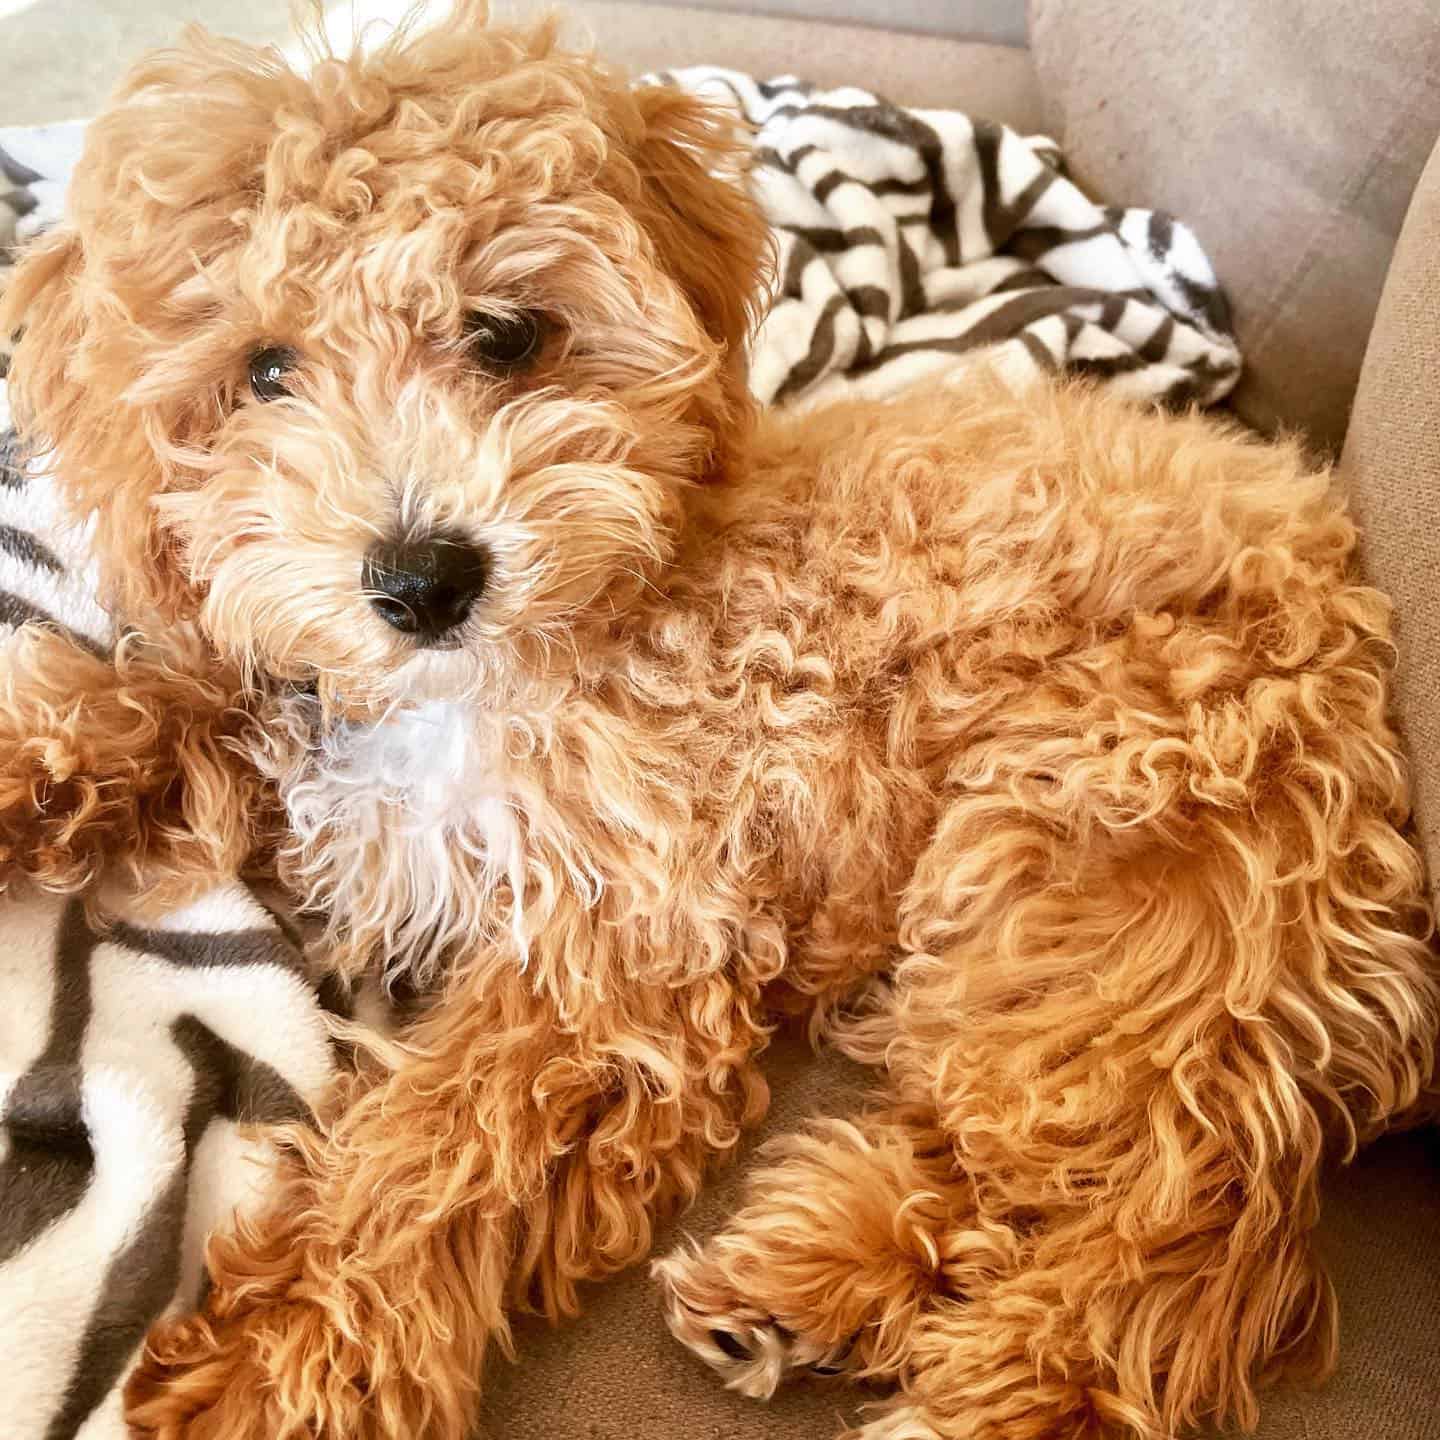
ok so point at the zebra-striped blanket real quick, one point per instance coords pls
(909, 241)
(913, 238)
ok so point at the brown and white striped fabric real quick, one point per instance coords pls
(131, 1058)
(31, 192)
(910, 239)
(909, 242)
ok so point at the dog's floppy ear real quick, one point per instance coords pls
(707, 232)
(704, 224)
(41, 295)
(164, 169)
(40, 314)
(62, 392)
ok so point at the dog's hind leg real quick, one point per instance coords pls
(1166, 950)
(1183, 968)
(506, 1158)
(127, 766)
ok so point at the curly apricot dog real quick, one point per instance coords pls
(1036, 746)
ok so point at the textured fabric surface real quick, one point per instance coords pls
(1289, 135)
(46, 569)
(1391, 468)
(999, 21)
(15, 201)
(909, 239)
(130, 1060)
(995, 82)
(1390, 1253)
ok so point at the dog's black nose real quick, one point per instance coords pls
(424, 588)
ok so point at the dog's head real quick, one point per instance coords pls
(393, 373)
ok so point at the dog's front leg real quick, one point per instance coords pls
(508, 1157)
(127, 766)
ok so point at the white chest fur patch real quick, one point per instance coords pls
(407, 831)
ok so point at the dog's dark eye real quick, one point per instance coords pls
(268, 371)
(506, 341)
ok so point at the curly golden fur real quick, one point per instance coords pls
(135, 765)
(1035, 747)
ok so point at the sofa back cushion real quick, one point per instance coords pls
(1289, 136)
(1391, 469)
(1001, 22)
(931, 71)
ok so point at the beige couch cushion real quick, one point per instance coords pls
(999, 21)
(1290, 136)
(1380, 1236)
(994, 81)
(1391, 467)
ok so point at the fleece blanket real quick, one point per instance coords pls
(132, 1056)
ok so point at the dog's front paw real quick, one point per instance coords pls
(197, 1380)
(751, 1350)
